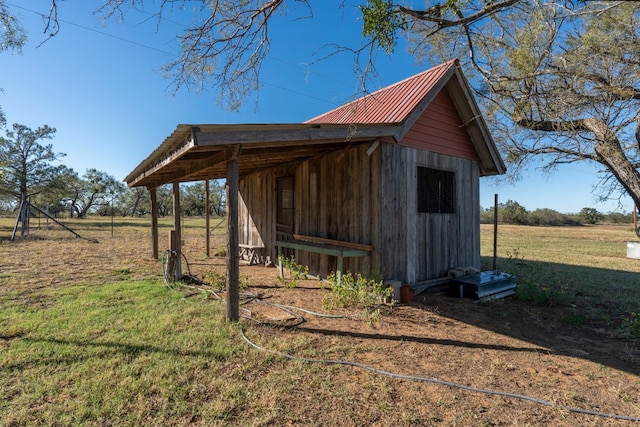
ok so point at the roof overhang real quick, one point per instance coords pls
(491, 162)
(454, 81)
(200, 152)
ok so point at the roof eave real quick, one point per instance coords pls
(491, 162)
(187, 138)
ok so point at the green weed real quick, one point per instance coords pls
(356, 291)
(218, 280)
(631, 325)
(535, 285)
(298, 271)
(130, 353)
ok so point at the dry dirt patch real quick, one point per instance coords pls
(506, 346)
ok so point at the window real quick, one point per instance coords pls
(436, 191)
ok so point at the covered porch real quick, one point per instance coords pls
(206, 152)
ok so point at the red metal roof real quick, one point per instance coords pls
(392, 104)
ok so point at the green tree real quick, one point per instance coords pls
(591, 215)
(12, 37)
(549, 217)
(26, 165)
(164, 197)
(134, 202)
(558, 80)
(193, 199)
(512, 212)
(619, 217)
(56, 198)
(94, 190)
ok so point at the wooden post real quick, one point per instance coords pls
(24, 217)
(154, 222)
(177, 212)
(233, 261)
(171, 259)
(495, 233)
(207, 208)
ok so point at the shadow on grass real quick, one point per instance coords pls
(423, 340)
(109, 348)
(574, 311)
(563, 310)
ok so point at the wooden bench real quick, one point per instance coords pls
(320, 245)
(251, 253)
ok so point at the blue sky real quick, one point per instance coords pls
(100, 85)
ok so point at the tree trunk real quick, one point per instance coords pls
(613, 157)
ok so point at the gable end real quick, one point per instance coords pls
(440, 129)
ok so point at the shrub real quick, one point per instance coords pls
(356, 291)
(512, 213)
(549, 217)
(535, 285)
(591, 215)
(298, 271)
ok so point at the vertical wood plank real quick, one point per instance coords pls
(415, 233)
(374, 224)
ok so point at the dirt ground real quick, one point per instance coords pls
(505, 346)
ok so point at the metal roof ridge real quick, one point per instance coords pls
(443, 67)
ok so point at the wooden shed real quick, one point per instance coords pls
(388, 182)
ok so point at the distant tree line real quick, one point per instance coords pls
(107, 196)
(512, 212)
(29, 171)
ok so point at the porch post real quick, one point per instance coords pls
(177, 244)
(154, 222)
(233, 263)
(207, 208)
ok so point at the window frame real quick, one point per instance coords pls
(427, 179)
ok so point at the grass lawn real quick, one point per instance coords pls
(90, 335)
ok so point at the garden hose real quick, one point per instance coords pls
(248, 297)
(439, 382)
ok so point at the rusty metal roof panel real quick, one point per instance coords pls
(392, 104)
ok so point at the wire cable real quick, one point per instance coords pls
(250, 297)
(440, 382)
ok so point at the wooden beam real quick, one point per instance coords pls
(233, 258)
(344, 244)
(154, 222)
(296, 135)
(177, 212)
(193, 167)
(168, 158)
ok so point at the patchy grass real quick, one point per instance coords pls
(130, 353)
(578, 267)
(89, 335)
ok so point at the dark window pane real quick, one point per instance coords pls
(436, 191)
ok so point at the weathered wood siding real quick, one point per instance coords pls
(372, 199)
(257, 208)
(337, 196)
(420, 246)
